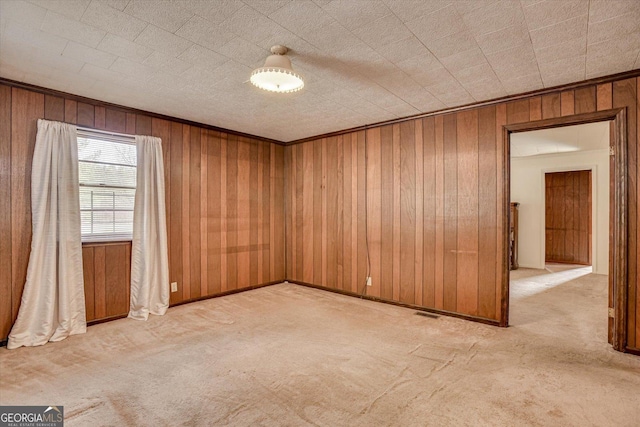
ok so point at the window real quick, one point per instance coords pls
(107, 173)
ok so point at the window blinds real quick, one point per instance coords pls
(107, 175)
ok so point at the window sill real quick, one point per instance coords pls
(106, 243)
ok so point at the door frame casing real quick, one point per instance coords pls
(618, 245)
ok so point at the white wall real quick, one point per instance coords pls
(527, 188)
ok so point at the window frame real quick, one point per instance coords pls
(113, 137)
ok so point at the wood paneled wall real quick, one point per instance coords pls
(224, 200)
(568, 217)
(424, 181)
(107, 269)
(434, 197)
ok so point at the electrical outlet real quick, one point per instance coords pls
(369, 281)
(174, 286)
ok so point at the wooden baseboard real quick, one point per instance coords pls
(106, 319)
(477, 319)
(631, 350)
(231, 292)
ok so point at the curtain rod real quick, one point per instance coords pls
(104, 132)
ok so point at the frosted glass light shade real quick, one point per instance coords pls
(277, 75)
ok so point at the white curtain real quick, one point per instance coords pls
(149, 254)
(52, 306)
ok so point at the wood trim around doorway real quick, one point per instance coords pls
(618, 245)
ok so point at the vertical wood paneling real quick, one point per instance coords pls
(332, 212)
(115, 120)
(467, 247)
(487, 214)
(99, 117)
(277, 201)
(261, 204)
(143, 125)
(307, 213)
(224, 219)
(299, 212)
(432, 231)
(518, 111)
(407, 192)
(293, 214)
(186, 217)
(88, 270)
(174, 206)
(339, 213)
(26, 108)
(325, 191)
(362, 211)
(585, 100)
(550, 105)
(355, 241)
(373, 201)
(215, 219)
(71, 111)
(603, 96)
(419, 215)
(253, 250)
(127, 283)
(450, 213)
(535, 108)
(204, 212)
(54, 108)
(265, 204)
(567, 103)
(347, 226)
(386, 213)
(439, 206)
(396, 211)
(106, 269)
(6, 314)
(501, 275)
(130, 123)
(116, 280)
(242, 214)
(86, 114)
(232, 212)
(100, 281)
(316, 176)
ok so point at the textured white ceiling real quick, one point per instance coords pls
(587, 137)
(363, 61)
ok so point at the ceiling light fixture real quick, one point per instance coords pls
(277, 75)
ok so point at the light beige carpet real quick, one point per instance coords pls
(289, 355)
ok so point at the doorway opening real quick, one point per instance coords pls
(566, 178)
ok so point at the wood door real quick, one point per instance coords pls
(568, 217)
